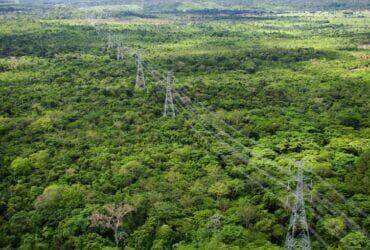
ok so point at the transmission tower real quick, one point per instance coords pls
(140, 80)
(169, 108)
(120, 53)
(298, 235)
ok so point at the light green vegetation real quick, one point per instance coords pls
(77, 139)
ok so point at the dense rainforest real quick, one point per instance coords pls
(264, 94)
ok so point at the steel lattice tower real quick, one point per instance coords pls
(169, 108)
(120, 53)
(140, 79)
(110, 42)
(298, 234)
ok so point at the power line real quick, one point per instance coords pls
(169, 106)
(329, 207)
(217, 136)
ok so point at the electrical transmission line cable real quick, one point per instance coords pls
(330, 209)
(141, 67)
(323, 202)
(241, 157)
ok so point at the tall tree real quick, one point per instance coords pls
(112, 218)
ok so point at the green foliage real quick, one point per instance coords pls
(61, 196)
(76, 136)
(231, 234)
(21, 166)
(334, 226)
(354, 240)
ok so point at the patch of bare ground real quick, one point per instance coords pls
(364, 45)
(362, 56)
(366, 68)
